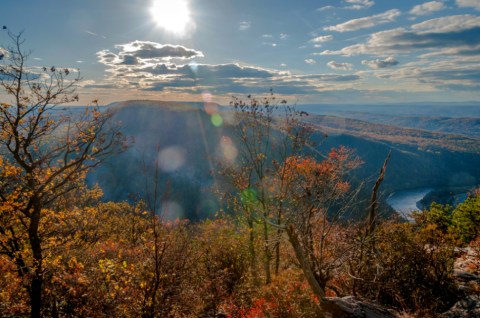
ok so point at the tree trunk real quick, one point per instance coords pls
(304, 264)
(253, 254)
(37, 279)
(372, 214)
(268, 254)
(277, 255)
(277, 244)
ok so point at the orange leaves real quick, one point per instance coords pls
(287, 296)
(312, 176)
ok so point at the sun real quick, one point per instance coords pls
(172, 15)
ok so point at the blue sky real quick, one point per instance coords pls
(350, 51)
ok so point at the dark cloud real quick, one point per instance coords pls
(130, 60)
(152, 50)
(340, 66)
(332, 77)
(147, 66)
(472, 75)
(145, 53)
(206, 71)
(379, 63)
(225, 79)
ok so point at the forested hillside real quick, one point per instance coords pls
(185, 132)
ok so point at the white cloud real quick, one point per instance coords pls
(427, 8)
(267, 36)
(464, 51)
(244, 25)
(95, 34)
(359, 4)
(457, 74)
(454, 23)
(434, 34)
(340, 66)
(469, 4)
(325, 8)
(310, 61)
(366, 22)
(3, 53)
(283, 36)
(91, 33)
(272, 44)
(378, 63)
(322, 38)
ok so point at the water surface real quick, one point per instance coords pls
(406, 201)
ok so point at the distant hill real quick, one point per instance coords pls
(452, 110)
(420, 138)
(187, 145)
(452, 125)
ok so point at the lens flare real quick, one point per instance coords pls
(171, 210)
(172, 158)
(217, 120)
(228, 149)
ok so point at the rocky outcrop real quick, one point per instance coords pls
(467, 276)
(352, 307)
(468, 307)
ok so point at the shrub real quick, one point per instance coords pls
(412, 269)
(288, 296)
(466, 220)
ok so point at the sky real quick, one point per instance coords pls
(324, 51)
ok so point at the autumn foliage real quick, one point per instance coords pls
(281, 245)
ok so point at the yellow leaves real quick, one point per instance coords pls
(74, 264)
(8, 170)
(261, 156)
(5, 105)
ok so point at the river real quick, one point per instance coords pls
(405, 201)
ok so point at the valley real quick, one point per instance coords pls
(184, 133)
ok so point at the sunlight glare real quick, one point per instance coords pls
(172, 15)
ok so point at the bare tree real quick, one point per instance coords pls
(43, 154)
(267, 131)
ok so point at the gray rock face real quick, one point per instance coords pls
(468, 307)
(465, 276)
(352, 307)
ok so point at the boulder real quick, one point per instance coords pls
(468, 307)
(352, 307)
(465, 276)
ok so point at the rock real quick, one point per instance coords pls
(468, 261)
(468, 307)
(352, 307)
(465, 276)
